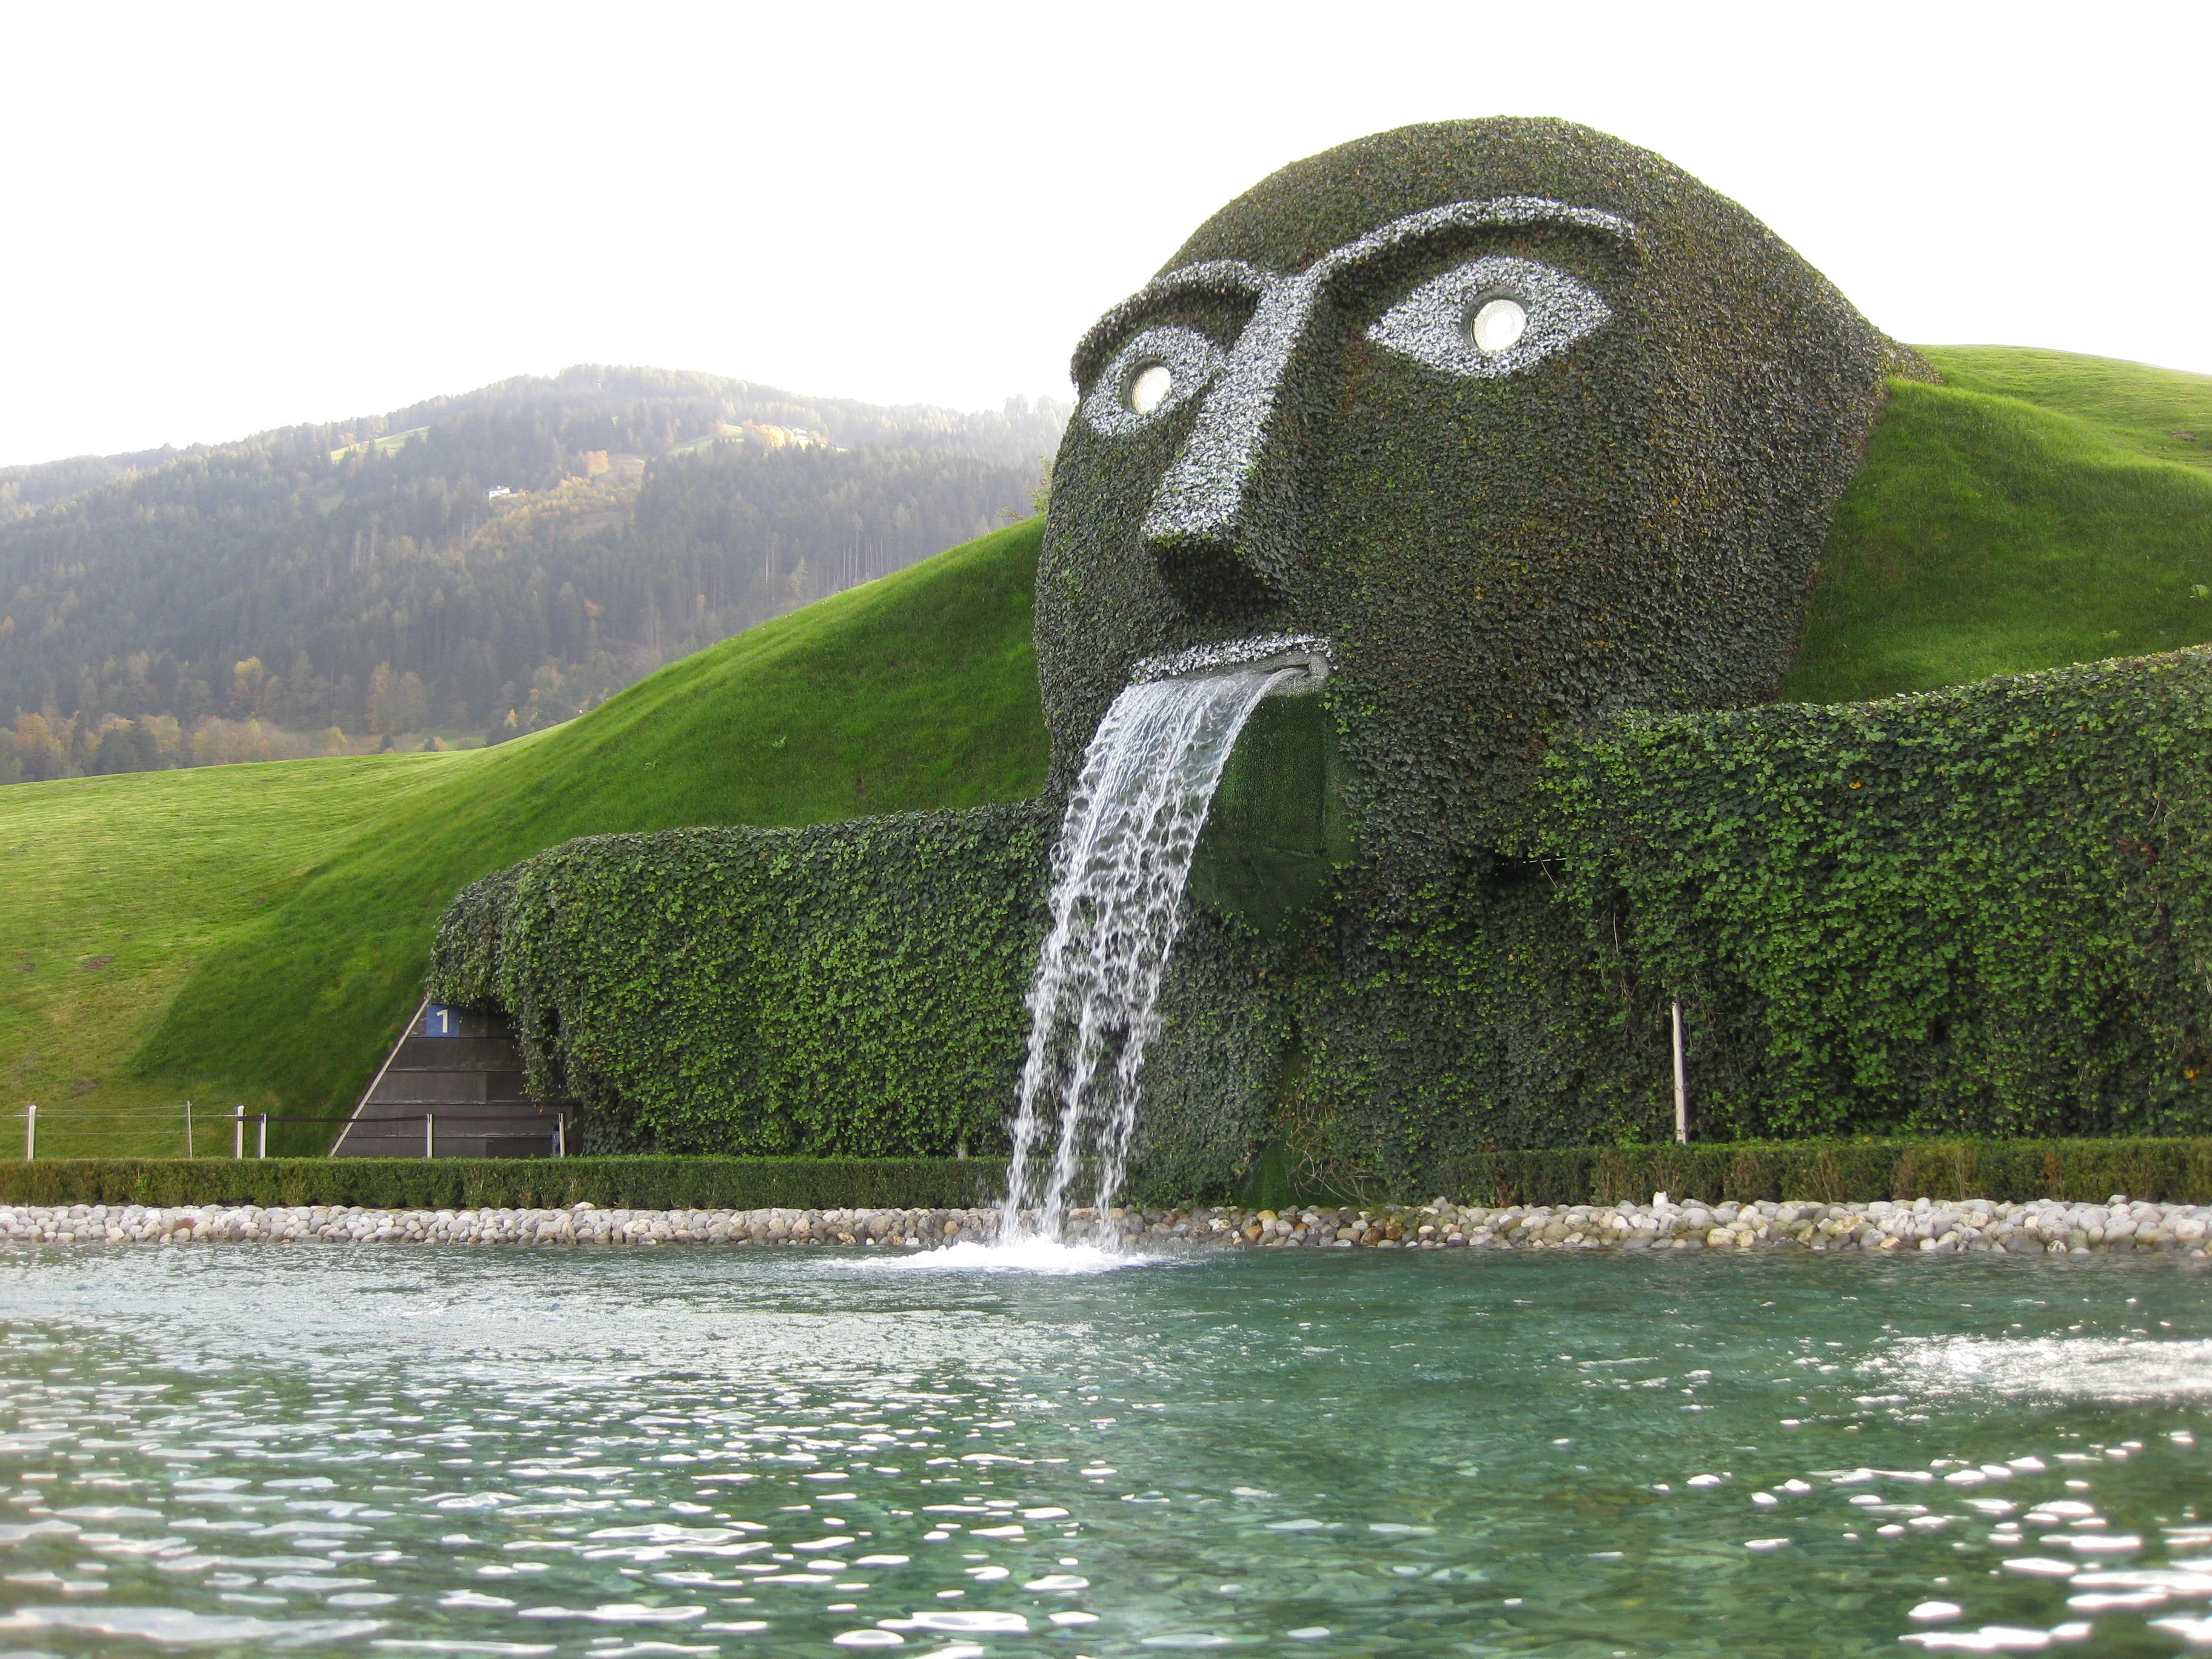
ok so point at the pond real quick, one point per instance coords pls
(250, 1449)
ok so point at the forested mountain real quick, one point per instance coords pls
(490, 562)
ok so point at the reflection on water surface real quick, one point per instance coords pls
(257, 1449)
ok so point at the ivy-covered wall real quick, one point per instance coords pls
(1986, 911)
(844, 990)
(1981, 911)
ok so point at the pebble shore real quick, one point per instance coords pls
(1923, 1226)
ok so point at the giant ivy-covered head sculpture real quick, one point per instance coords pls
(1522, 422)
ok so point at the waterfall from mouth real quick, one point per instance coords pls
(1118, 873)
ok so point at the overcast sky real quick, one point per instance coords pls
(222, 218)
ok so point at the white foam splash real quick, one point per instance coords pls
(1024, 1254)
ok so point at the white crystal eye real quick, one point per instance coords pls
(1150, 388)
(1498, 325)
(1154, 375)
(1462, 322)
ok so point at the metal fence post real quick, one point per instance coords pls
(237, 1132)
(30, 1131)
(261, 1142)
(561, 1135)
(188, 1128)
(429, 1134)
(1681, 1084)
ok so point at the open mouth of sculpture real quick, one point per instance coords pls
(1308, 653)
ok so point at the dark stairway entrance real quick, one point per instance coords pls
(452, 1088)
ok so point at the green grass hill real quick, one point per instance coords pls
(256, 935)
(2037, 508)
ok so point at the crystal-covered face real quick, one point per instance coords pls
(1516, 454)
(1480, 317)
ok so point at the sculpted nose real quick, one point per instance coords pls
(1223, 525)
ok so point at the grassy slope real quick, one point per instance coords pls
(269, 923)
(2033, 511)
(2163, 413)
(916, 692)
(119, 887)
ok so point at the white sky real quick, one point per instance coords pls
(222, 218)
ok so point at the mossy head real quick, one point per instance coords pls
(1525, 420)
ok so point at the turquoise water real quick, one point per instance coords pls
(257, 1449)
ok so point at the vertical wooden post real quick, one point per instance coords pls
(1681, 1084)
(237, 1132)
(30, 1131)
(261, 1141)
(188, 1128)
(561, 1136)
(429, 1134)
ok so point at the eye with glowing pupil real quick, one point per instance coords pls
(1150, 388)
(1495, 315)
(1498, 325)
(1155, 375)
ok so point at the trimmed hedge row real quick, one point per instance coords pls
(1840, 1172)
(1835, 1172)
(474, 1184)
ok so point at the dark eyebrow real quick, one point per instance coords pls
(1234, 278)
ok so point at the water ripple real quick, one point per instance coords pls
(255, 1451)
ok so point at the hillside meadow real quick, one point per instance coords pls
(267, 924)
(255, 935)
(2027, 513)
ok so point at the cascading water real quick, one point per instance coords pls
(1118, 874)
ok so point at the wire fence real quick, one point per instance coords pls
(232, 1133)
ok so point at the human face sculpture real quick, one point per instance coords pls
(1511, 422)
